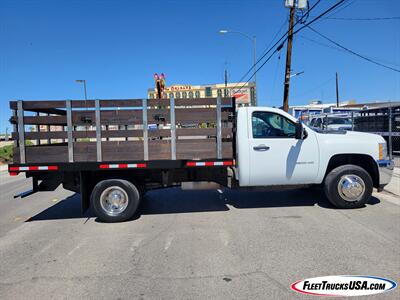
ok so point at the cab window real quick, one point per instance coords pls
(272, 125)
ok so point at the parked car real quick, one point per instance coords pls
(331, 122)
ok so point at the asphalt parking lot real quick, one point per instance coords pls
(187, 244)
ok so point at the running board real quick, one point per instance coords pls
(25, 194)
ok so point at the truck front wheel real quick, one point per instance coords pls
(115, 200)
(348, 186)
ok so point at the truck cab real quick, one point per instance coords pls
(274, 149)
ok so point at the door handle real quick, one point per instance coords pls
(261, 148)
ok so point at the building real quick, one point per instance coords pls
(244, 92)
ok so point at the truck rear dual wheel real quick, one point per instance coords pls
(348, 186)
(115, 200)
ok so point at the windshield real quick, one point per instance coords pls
(346, 121)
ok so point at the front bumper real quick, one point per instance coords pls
(385, 168)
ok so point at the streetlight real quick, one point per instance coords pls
(253, 40)
(84, 85)
(296, 74)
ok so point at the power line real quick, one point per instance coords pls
(364, 19)
(341, 8)
(285, 38)
(315, 88)
(276, 43)
(352, 52)
(277, 33)
(321, 44)
(344, 51)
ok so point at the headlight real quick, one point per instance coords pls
(383, 153)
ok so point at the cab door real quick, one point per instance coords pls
(276, 157)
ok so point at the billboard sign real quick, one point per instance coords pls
(242, 95)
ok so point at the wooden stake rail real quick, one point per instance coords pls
(117, 130)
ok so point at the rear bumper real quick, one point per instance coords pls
(385, 168)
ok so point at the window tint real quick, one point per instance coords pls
(272, 125)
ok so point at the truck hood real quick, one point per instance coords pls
(349, 142)
(352, 136)
(365, 135)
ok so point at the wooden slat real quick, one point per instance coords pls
(226, 132)
(48, 104)
(44, 120)
(29, 105)
(201, 149)
(52, 111)
(200, 115)
(121, 103)
(108, 117)
(159, 133)
(43, 135)
(159, 149)
(43, 154)
(158, 102)
(124, 150)
(201, 101)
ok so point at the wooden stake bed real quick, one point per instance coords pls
(131, 130)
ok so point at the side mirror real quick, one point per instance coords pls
(300, 133)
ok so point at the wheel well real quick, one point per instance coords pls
(364, 161)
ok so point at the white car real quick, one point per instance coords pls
(331, 123)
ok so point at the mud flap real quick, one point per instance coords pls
(85, 190)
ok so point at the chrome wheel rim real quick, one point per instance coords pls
(114, 200)
(351, 187)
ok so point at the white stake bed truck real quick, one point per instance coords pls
(113, 151)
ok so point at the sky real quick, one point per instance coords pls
(117, 46)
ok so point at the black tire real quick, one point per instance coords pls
(133, 200)
(331, 184)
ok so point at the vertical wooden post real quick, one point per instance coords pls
(173, 128)
(98, 130)
(21, 132)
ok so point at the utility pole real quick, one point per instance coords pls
(337, 90)
(288, 60)
(226, 82)
(254, 70)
